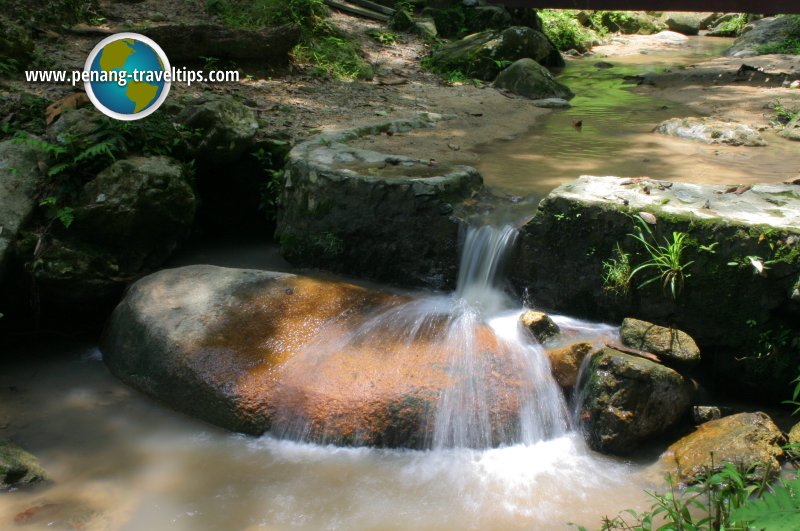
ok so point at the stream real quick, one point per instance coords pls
(122, 461)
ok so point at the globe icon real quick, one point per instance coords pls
(128, 76)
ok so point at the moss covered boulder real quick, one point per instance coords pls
(528, 78)
(369, 214)
(669, 344)
(481, 55)
(625, 399)
(742, 255)
(253, 351)
(225, 127)
(18, 468)
(746, 440)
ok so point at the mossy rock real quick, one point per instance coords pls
(482, 55)
(18, 468)
(528, 78)
(16, 45)
(626, 400)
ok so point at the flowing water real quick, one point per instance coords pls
(121, 461)
(616, 134)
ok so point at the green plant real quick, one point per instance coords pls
(564, 30)
(8, 66)
(64, 214)
(617, 273)
(387, 38)
(783, 115)
(666, 259)
(734, 25)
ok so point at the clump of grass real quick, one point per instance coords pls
(321, 45)
(790, 44)
(564, 30)
(387, 38)
(666, 260)
(617, 273)
(733, 26)
(783, 114)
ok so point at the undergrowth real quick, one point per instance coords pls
(564, 30)
(790, 44)
(321, 45)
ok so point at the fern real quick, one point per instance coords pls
(99, 150)
(777, 510)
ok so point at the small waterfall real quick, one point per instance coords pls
(465, 416)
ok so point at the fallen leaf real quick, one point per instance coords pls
(71, 102)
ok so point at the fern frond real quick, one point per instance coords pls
(777, 510)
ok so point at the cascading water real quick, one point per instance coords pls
(495, 386)
(463, 418)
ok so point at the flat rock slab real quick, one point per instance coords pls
(711, 131)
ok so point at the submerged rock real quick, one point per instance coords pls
(711, 131)
(749, 440)
(539, 324)
(481, 54)
(566, 363)
(626, 399)
(669, 344)
(18, 468)
(528, 78)
(255, 350)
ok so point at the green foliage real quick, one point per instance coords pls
(779, 509)
(321, 45)
(733, 25)
(665, 259)
(783, 114)
(617, 273)
(49, 12)
(564, 30)
(64, 214)
(21, 111)
(8, 66)
(387, 38)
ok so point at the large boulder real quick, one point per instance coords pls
(528, 78)
(226, 128)
(669, 344)
(480, 55)
(254, 350)
(763, 36)
(627, 399)
(373, 215)
(18, 468)
(726, 303)
(711, 131)
(128, 220)
(748, 440)
(687, 23)
(631, 22)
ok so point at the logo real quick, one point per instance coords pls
(127, 76)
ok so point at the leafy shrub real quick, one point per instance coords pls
(564, 30)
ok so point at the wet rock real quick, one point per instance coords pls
(528, 78)
(19, 182)
(794, 434)
(182, 42)
(792, 130)
(373, 215)
(578, 226)
(478, 55)
(18, 468)
(711, 131)
(227, 126)
(552, 103)
(703, 414)
(255, 350)
(763, 33)
(539, 324)
(128, 220)
(669, 344)
(566, 363)
(746, 440)
(627, 399)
